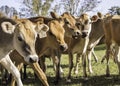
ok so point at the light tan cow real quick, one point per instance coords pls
(112, 33)
(19, 35)
(71, 32)
(95, 36)
(79, 45)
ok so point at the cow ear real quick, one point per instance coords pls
(94, 18)
(54, 15)
(8, 27)
(42, 30)
(100, 15)
(15, 17)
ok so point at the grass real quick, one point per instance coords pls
(98, 78)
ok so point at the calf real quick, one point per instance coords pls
(112, 29)
(95, 36)
(19, 35)
(79, 45)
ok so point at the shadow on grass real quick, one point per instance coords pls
(113, 80)
(100, 47)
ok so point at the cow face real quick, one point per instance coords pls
(85, 25)
(58, 31)
(69, 23)
(24, 38)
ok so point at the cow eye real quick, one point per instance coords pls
(86, 22)
(77, 23)
(20, 38)
(66, 22)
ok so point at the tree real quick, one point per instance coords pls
(77, 7)
(9, 11)
(114, 10)
(36, 7)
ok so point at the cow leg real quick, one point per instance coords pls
(107, 56)
(7, 63)
(56, 60)
(19, 66)
(117, 59)
(84, 65)
(77, 63)
(42, 63)
(70, 67)
(94, 55)
(89, 52)
(103, 58)
(25, 72)
(41, 75)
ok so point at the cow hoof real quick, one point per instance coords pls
(107, 75)
(55, 82)
(91, 72)
(76, 72)
(68, 80)
(85, 78)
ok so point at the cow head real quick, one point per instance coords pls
(58, 31)
(24, 38)
(69, 23)
(85, 22)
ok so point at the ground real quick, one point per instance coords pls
(98, 77)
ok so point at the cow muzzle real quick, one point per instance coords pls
(84, 34)
(76, 34)
(32, 58)
(63, 47)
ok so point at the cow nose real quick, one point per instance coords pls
(33, 59)
(63, 47)
(77, 33)
(84, 34)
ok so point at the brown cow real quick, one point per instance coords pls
(56, 32)
(80, 44)
(112, 29)
(20, 36)
(70, 25)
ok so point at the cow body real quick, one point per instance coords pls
(19, 35)
(95, 36)
(112, 29)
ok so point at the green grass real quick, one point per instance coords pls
(98, 77)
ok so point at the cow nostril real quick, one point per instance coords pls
(78, 33)
(31, 60)
(84, 34)
(63, 47)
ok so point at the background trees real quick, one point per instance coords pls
(76, 7)
(115, 10)
(31, 8)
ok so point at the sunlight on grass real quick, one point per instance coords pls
(98, 77)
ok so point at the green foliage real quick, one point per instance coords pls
(76, 7)
(36, 7)
(9, 11)
(115, 10)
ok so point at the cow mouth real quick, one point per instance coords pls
(75, 37)
(63, 47)
(84, 35)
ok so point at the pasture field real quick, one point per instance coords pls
(98, 77)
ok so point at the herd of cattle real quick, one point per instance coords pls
(29, 40)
